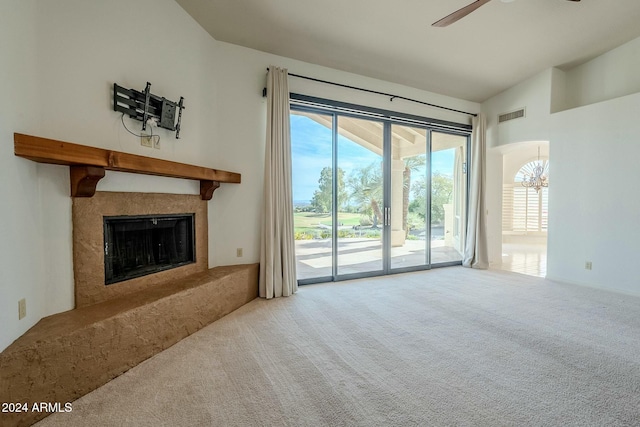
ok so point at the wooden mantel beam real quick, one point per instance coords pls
(89, 163)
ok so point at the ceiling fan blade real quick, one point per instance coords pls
(459, 14)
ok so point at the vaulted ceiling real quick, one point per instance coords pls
(490, 50)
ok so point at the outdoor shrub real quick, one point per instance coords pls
(365, 221)
(346, 233)
(302, 235)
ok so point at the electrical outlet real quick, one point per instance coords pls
(22, 308)
(239, 252)
(145, 141)
(156, 142)
(588, 265)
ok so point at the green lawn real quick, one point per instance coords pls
(306, 220)
(314, 224)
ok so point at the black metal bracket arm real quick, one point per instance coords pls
(145, 106)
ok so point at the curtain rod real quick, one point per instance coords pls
(392, 96)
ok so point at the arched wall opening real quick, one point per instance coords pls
(524, 210)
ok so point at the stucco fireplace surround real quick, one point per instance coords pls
(89, 246)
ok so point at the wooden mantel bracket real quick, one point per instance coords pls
(207, 188)
(88, 165)
(84, 180)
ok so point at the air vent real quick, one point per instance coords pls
(518, 114)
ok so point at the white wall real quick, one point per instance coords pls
(611, 75)
(59, 62)
(594, 206)
(21, 255)
(493, 204)
(534, 94)
(592, 150)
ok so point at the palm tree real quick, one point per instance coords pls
(410, 164)
(366, 189)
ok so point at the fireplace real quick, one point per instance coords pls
(114, 327)
(135, 246)
(127, 242)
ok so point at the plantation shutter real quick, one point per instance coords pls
(523, 210)
(544, 217)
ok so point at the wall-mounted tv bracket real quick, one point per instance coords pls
(145, 105)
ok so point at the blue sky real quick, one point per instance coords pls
(311, 151)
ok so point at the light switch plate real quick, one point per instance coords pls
(22, 308)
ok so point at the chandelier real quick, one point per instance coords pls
(537, 178)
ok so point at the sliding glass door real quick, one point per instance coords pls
(360, 196)
(409, 198)
(374, 196)
(448, 197)
(312, 170)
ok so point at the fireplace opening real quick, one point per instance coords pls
(135, 246)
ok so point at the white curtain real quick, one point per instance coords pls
(277, 251)
(476, 252)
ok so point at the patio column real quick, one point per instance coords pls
(397, 178)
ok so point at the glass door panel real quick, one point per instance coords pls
(409, 201)
(448, 197)
(360, 204)
(311, 158)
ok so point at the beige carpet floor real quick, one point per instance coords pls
(440, 348)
